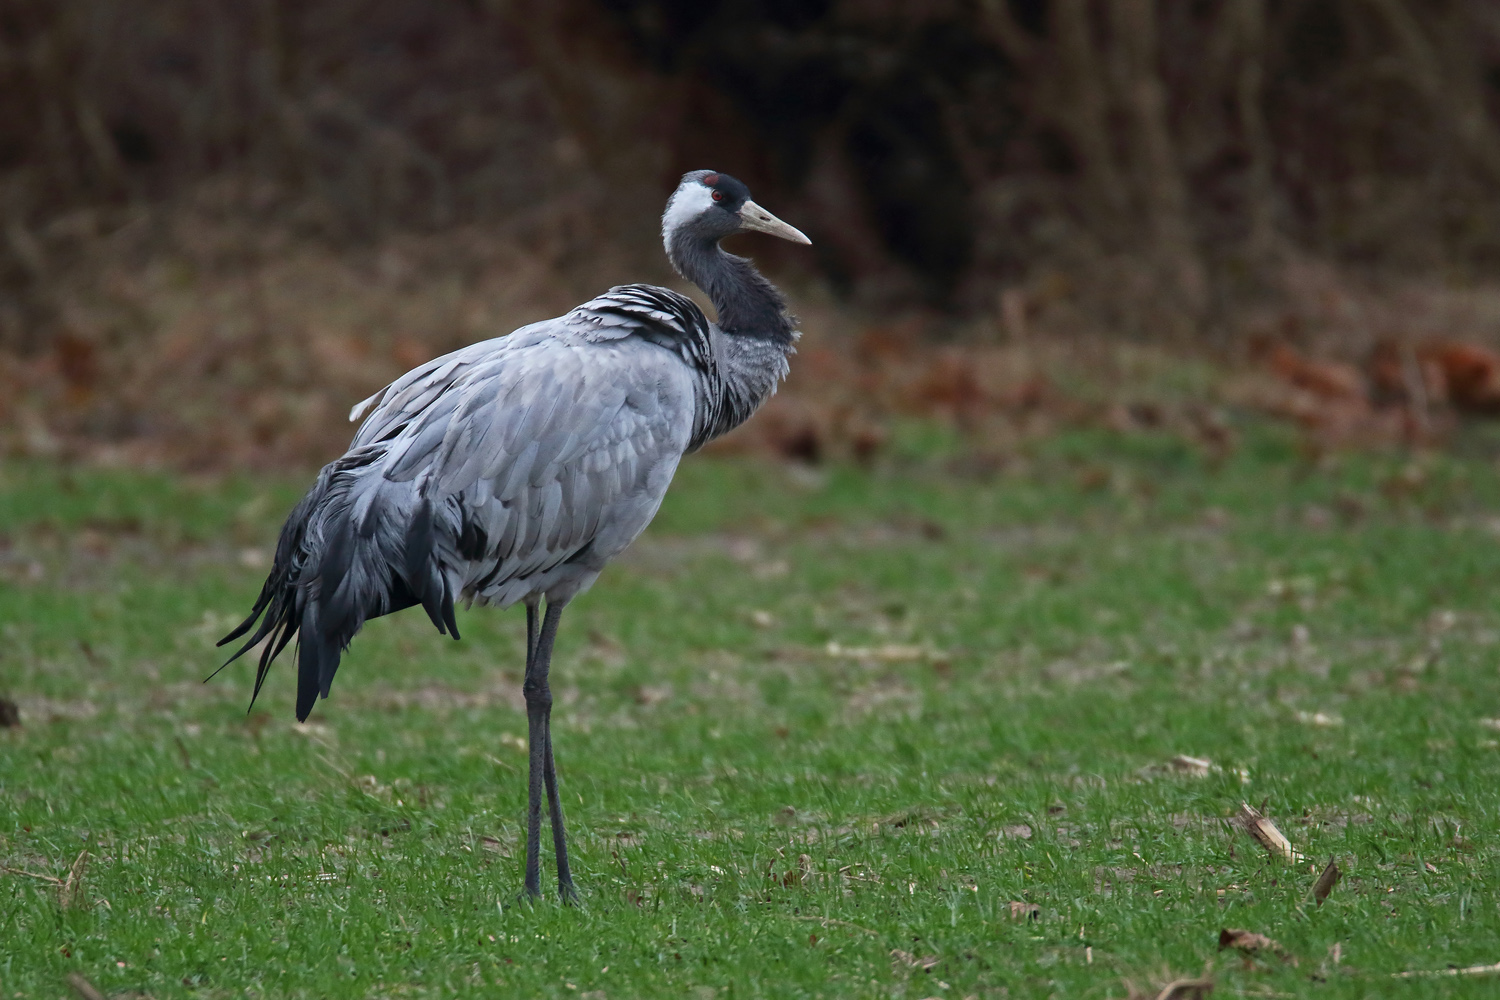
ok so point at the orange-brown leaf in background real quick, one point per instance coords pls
(950, 385)
(77, 360)
(1332, 380)
(1470, 373)
(1402, 374)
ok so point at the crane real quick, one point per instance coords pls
(512, 470)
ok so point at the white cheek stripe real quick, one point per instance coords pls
(691, 199)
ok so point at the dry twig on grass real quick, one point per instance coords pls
(21, 871)
(83, 988)
(69, 889)
(1266, 833)
(71, 893)
(1471, 970)
(1198, 767)
(831, 922)
(905, 958)
(1178, 989)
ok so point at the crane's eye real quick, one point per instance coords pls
(718, 196)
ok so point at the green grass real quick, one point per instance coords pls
(755, 812)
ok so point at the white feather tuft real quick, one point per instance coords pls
(690, 200)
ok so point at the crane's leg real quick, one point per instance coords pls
(531, 624)
(533, 693)
(549, 769)
(538, 716)
(565, 889)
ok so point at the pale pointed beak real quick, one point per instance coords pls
(753, 218)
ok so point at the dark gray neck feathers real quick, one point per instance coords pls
(754, 336)
(748, 304)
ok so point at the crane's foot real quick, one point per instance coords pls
(520, 900)
(567, 894)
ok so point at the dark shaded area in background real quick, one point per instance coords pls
(799, 74)
(969, 139)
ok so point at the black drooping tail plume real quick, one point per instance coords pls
(331, 574)
(278, 596)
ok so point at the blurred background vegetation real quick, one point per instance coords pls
(223, 223)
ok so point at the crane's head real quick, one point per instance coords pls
(708, 206)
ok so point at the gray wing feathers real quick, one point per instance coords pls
(511, 468)
(411, 394)
(533, 444)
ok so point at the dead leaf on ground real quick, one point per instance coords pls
(1187, 766)
(1470, 374)
(1025, 911)
(1264, 831)
(797, 876)
(1016, 831)
(1326, 881)
(1195, 767)
(1190, 767)
(650, 695)
(1249, 942)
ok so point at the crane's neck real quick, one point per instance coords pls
(755, 334)
(748, 305)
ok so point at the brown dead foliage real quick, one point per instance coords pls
(207, 276)
(224, 342)
(853, 380)
(1403, 392)
(1266, 833)
(1326, 881)
(796, 875)
(1249, 943)
(1025, 911)
(174, 360)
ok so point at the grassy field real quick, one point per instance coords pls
(819, 733)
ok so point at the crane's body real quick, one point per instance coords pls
(513, 470)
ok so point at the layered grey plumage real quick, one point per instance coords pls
(516, 468)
